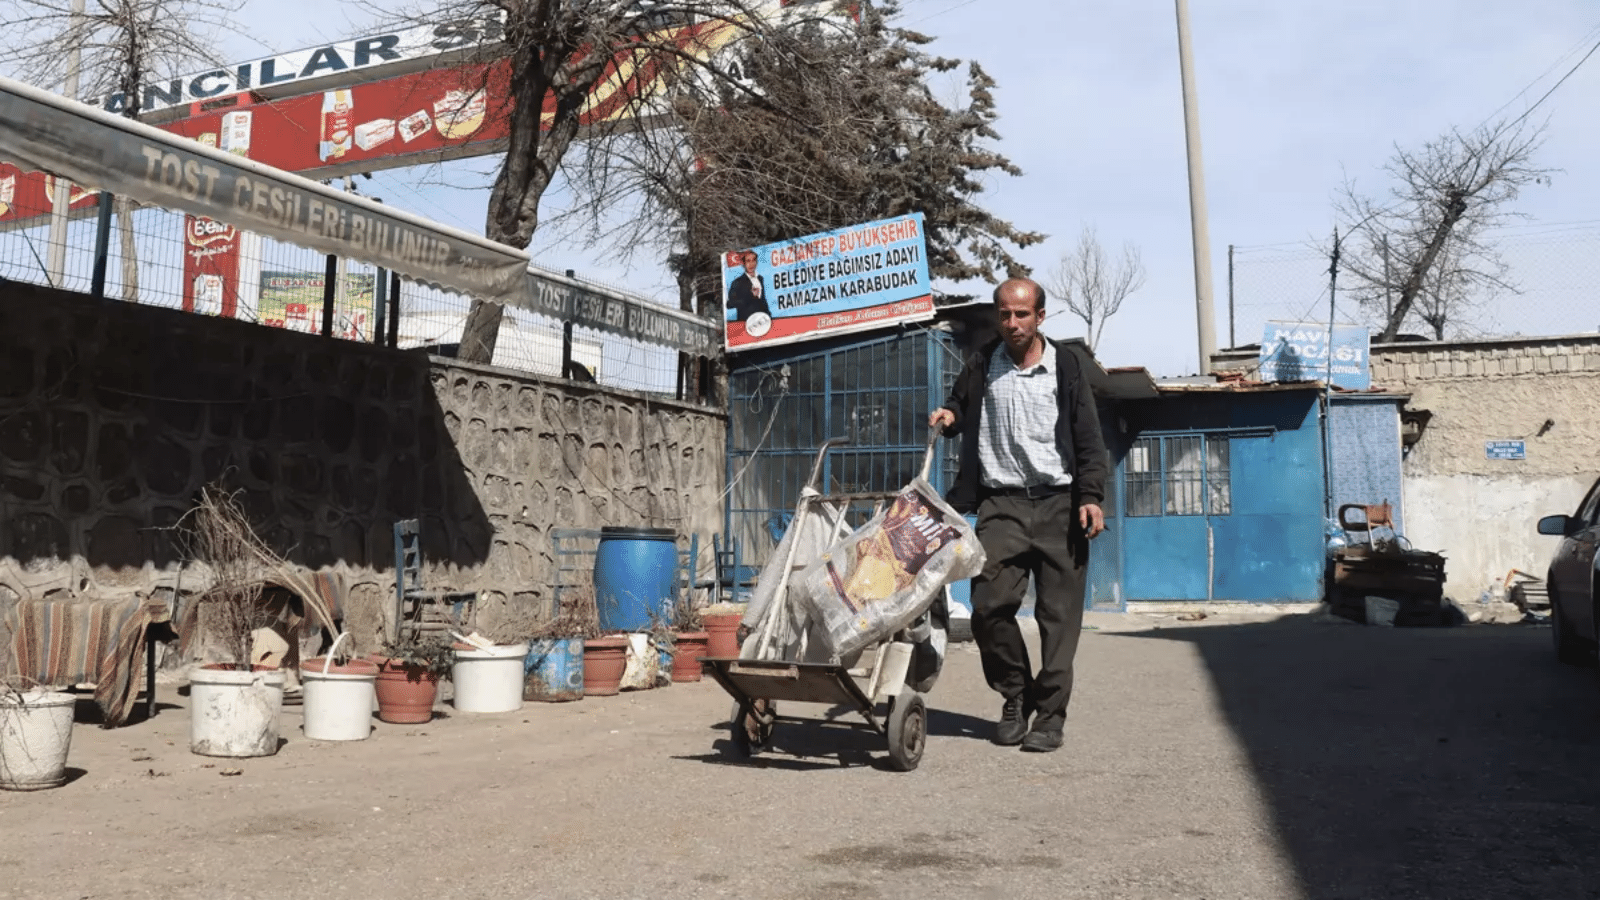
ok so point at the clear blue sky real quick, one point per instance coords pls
(1293, 95)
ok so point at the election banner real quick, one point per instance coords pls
(1307, 351)
(853, 279)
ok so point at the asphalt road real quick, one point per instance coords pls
(1224, 759)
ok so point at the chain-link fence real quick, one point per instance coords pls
(154, 257)
(1555, 270)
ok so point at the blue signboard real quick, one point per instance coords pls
(1304, 351)
(853, 279)
(1505, 449)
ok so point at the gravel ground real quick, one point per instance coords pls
(1235, 757)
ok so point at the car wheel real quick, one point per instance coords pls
(1569, 649)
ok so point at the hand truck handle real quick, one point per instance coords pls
(822, 456)
(927, 457)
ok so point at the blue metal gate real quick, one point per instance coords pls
(875, 391)
(1227, 507)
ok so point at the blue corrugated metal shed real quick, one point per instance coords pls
(1221, 495)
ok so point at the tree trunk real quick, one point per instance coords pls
(1455, 208)
(480, 332)
(129, 251)
(514, 199)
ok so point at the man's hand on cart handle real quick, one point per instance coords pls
(941, 418)
(1092, 519)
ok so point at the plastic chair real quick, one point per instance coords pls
(418, 609)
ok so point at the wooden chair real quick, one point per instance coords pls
(418, 609)
(1373, 517)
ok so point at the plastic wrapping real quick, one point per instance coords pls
(786, 627)
(889, 571)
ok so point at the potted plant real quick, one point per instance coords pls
(35, 729)
(690, 642)
(490, 665)
(409, 669)
(234, 705)
(652, 652)
(555, 666)
(721, 622)
(35, 735)
(605, 658)
(338, 695)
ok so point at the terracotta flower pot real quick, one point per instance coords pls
(405, 693)
(604, 660)
(724, 634)
(686, 653)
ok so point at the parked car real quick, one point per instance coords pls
(1574, 622)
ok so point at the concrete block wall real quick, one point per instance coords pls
(113, 416)
(1395, 365)
(1481, 512)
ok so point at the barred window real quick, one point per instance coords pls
(1182, 475)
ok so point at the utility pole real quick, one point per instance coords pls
(56, 268)
(1233, 340)
(1197, 196)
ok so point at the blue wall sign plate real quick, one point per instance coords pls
(1505, 449)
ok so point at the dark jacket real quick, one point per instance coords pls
(742, 298)
(1083, 450)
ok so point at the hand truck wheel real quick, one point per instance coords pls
(751, 729)
(908, 730)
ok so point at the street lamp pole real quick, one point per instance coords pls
(1197, 196)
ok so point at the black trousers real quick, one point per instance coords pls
(1042, 538)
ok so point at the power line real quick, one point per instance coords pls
(942, 12)
(1570, 72)
(1593, 33)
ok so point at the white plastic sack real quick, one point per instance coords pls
(890, 570)
(643, 668)
(781, 624)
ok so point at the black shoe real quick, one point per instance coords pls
(1042, 740)
(1013, 724)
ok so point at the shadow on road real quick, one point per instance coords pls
(1449, 762)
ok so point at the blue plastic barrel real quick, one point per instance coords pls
(635, 573)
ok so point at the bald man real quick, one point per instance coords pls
(1033, 466)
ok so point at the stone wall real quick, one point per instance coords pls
(113, 416)
(1481, 512)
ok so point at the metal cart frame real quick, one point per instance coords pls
(758, 679)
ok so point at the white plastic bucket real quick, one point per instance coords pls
(233, 713)
(489, 680)
(338, 698)
(35, 734)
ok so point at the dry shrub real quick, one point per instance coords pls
(576, 615)
(230, 610)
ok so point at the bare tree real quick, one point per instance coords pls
(1092, 286)
(120, 45)
(1423, 249)
(562, 52)
(842, 126)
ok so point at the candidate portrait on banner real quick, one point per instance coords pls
(747, 293)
